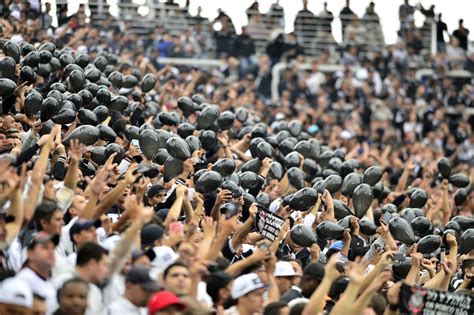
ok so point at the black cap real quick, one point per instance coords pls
(314, 270)
(79, 226)
(141, 275)
(6, 217)
(216, 281)
(357, 248)
(162, 213)
(467, 263)
(338, 287)
(42, 238)
(155, 190)
(151, 233)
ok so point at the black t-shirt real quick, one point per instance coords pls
(462, 37)
(230, 254)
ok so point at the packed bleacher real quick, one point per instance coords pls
(160, 162)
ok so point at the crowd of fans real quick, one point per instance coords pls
(129, 186)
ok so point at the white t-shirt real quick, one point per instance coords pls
(124, 306)
(95, 297)
(40, 287)
(65, 242)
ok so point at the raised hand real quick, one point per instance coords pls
(130, 176)
(76, 150)
(223, 196)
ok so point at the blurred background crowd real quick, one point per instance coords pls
(399, 107)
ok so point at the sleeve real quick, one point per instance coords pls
(29, 141)
(228, 251)
(26, 155)
(59, 170)
(64, 198)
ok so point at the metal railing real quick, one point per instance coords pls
(315, 32)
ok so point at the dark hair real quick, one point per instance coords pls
(39, 297)
(44, 212)
(90, 251)
(297, 309)
(274, 308)
(68, 282)
(175, 264)
(378, 303)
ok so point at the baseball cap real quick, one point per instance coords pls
(80, 225)
(151, 233)
(163, 299)
(141, 275)
(216, 281)
(7, 218)
(345, 135)
(16, 291)
(155, 190)
(336, 245)
(162, 213)
(284, 269)
(245, 284)
(161, 257)
(42, 238)
(314, 270)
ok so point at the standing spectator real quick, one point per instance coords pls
(455, 53)
(346, 15)
(428, 13)
(177, 278)
(441, 28)
(256, 28)
(165, 302)
(326, 17)
(225, 38)
(305, 24)
(165, 45)
(218, 287)
(461, 34)
(371, 21)
(38, 266)
(72, 297)
(92, 266)
(221, 17)
(16, 297)
(315, 79)
(252, 10)
(46, 18)
(248, 290)
(293, 48)
(276, 16)
(406, 16)
(245, 49)
(313, 273)
(264, 77)
(139, 287)
(356, 33)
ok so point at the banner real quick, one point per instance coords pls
(268, 224)
(414, 300)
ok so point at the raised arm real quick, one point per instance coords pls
(316, 301)
(175, 210)
(38, 173)
(242, 232)
(346, 301)
(114, 195)
(76, 150)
